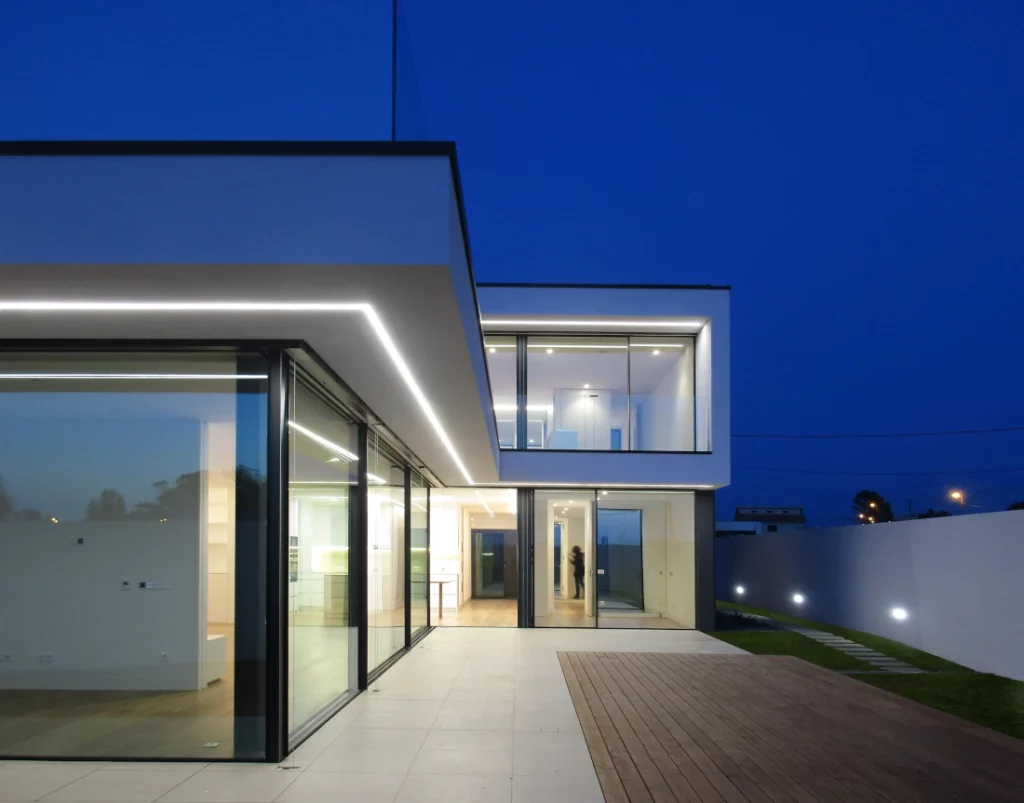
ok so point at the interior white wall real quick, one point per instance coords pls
(668, 546)
(445, 553)
(218, 505)
(71, 606)
(543, 556)
(665, 412)
(951, 574)
(706, 391)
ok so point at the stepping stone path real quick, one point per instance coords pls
(855, 650)
(881, 663)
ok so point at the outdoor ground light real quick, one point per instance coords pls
(798, 598)
(740, 590)
(899, 614)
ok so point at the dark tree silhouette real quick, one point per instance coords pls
(1016, 506)
(870, 507)
(180, 500)
(108, 506)
(933, 514)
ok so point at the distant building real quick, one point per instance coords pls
(773, 519)
(757, 520)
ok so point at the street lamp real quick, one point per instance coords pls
(961, 497)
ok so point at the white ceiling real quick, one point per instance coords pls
(419, 307)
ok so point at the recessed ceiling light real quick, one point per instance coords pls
(604, 493)
(492, 350)
(551, 351)
(656, 352)
(587, 386)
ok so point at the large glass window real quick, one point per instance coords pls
(645, 559)
(577, 393)
(563, 559)
(418, 559)
(609, 393)
(386, 552)
(322, 635)
(133, 486)
(661, 394)
(501, 367)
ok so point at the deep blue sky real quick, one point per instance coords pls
(854, 171)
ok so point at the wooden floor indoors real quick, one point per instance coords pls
(669, 727)
(479, 613)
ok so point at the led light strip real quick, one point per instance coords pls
(329, 445)
(483, 501)
(605, 322)
(260, 306)
(133, 376)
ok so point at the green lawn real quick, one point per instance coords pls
(990, 700)
(782, 642)
(894, 649)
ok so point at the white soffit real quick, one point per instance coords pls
(394, 334)
(593, 324)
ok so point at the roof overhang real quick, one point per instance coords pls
(112, 248)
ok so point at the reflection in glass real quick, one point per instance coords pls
(322, 636)
(419, 592)
(501, 368)
(132, 485)
(645, 559)
(563, 558)
(577, 393)
(386, 553)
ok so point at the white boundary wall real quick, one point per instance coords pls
(960, 578)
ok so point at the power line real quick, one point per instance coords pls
(882, 473)
(882, 434)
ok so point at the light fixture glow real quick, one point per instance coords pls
(133, 376)
(658, 345)
(261, 306)
(899, 614)
(587, 386)
(740, 591)
(54, 519)
(656, 352)
(483, 501)
(492, 349)
(316, 438)
(798, 598)
(551, 351)
(603, 322)
(604, 493)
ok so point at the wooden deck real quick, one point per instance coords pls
(757, 729)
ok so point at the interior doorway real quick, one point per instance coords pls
(474, 558)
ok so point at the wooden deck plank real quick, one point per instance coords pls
(664, 727)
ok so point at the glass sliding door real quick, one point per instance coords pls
(134, 485)
(563, 559)
(418, 557)
(645, 559)
(386, 548)
(322, 633)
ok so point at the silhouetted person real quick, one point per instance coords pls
(576, 559)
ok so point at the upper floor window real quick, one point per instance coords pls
(608, 393)
(501, 367)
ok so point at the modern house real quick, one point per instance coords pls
(261, 429)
